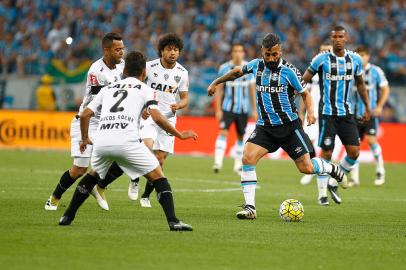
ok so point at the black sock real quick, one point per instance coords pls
(136, 180)
(165, 198)
(149, 187)
(113, 173)
(64, 183)
(81, 193)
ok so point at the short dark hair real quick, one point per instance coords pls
(362, 49)
(108, 39)
(135, 63)
(170, 39)
(270, 40)
(337, 28)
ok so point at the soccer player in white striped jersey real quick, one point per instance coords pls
(312, 130)
(234, 101)
(378, 89)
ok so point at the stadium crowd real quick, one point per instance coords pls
(33, 32)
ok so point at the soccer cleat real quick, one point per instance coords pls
(339, 175)
(216, 168)
(306, 179)
(145, 202)
(334, 193)
(380, 179)
(51, 205)
(353, 183)
(323, 201)
(179, 226)
(248, 212)
(100, 196)
(133, 191)
(65, 220)
(238, 170)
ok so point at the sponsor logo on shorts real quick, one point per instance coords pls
(328, 141)
(372, 131)
(222, 124)
(298, 149)
(253, 134)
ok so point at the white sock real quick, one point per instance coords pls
(355, 173)
(322, 180)
(377, 152)
(239, 148)
(321, 166)
(248, 183)
(347, 164)
(220, 148)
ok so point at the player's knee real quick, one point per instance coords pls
(326, 154)
(248, 159)
(75, 172)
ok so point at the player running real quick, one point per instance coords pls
(170, 80)
(104, 71)
(232, 106)
(118, 139)
(378, 89)
(337, 70)
(278, 123)
(313, 130)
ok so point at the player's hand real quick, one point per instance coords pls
(219, 115)
(211, 89)
(366, 116)
(311, 119)
(175, 107)
(83, 145)
(377, 112)
(188, 134)
(145, 114)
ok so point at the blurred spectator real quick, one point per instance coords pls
(45, 95)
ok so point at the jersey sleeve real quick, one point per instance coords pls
(249, 67)
(97, 101)
(184, 83)
(95, 82)
(358, 65)
(382, 81)
(222, 70)
(316, 62)
(295, 80)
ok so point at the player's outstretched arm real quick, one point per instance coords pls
(163, 123)
(307, 76)
(362, 90)
(308, 102)
(229, 76)
(84, 128)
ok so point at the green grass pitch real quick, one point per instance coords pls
(368, 231)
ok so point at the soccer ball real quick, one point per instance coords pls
(291, 210)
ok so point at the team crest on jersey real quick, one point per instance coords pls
(274, 77)
(333, 65)
(349, 65)
(155, 75)
(93, 79)
(328, 141)
(166, 77)
(177, 79)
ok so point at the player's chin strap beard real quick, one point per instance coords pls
(272, 65)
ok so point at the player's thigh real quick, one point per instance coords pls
(258, 144)
(226, 120)
(241, 121)
(297, 144)
(348, 131)
(327, 132)
(137, 160)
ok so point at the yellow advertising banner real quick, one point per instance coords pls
(32, 129)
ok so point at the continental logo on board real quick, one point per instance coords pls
(43, 130)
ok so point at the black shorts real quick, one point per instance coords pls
(369, 127)
(240, 120)
(343, 126)
(290, 137)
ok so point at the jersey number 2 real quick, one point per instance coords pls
(115, 108)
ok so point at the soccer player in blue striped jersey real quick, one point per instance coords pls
(337, 69)
(378, 89)
(234, 101)
(278, 125)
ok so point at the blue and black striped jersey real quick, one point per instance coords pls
(236, 93)
(374, 79)
(275, 91)
(336, 79)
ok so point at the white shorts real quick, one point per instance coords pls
(312, 131)
(81, 159)
(134, 159)
(162, 140)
